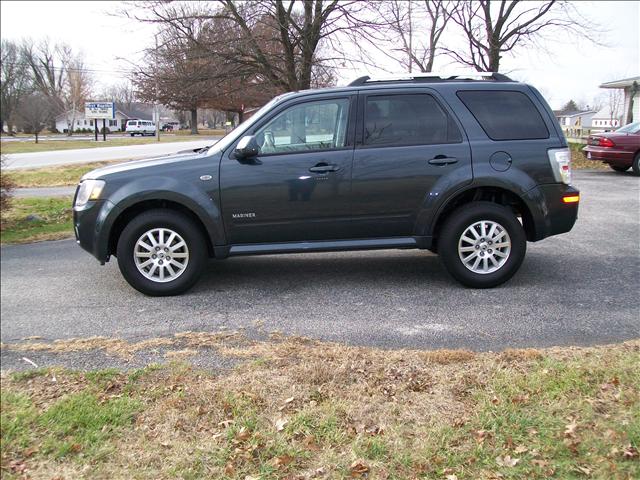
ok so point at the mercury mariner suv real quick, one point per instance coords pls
(470, 168)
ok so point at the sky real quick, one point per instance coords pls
(565, 69)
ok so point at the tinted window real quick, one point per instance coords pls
(307, 126)
(407, 120)
(505, 115)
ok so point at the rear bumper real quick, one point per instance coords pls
(620, 158)
(553, 215)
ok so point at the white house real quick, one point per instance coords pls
(603, 120)
(114, 125)
(576, 124)
(631, 87)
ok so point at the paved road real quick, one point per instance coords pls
(62, 157)
(44, 192)
(580, 288)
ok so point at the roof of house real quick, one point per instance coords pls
(576, 113)
(605, 114)
(625, 82)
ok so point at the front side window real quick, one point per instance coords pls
(320, 125)
(413, 119)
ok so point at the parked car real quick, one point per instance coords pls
(170, 126)
(619, 149)
(140, 127)
(470, 169)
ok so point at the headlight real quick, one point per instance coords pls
(560, 160)
(89, 190)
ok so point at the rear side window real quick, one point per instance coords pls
(415, 119)
(505, 115)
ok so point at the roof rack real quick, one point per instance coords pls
(431, 77)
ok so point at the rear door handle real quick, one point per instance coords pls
(324, 168)
(443, 160)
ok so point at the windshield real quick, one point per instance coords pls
(230, 137)
(631, 128)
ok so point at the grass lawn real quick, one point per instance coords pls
(50, 145)
(63, 175)
(297, 408)
(55, 220)
(579, 160)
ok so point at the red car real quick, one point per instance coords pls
(619, 149)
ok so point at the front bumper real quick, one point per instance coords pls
(92, 224)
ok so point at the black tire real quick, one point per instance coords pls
(619, 169)
(636, 165)
(183, 226)
(457, 223)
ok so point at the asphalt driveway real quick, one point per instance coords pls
(580, 288)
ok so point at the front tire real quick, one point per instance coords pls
(161, 253)
(636, 165)
(482, 244)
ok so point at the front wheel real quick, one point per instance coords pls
(482, 244)
(161, 253)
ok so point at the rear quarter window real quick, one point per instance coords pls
(505, 115)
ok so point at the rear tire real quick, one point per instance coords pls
(619, 169)
(480, 259)
(161, 234)
(636, 165)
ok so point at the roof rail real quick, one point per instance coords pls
(433, 77)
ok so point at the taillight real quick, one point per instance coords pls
(560, 160)
(606, 142)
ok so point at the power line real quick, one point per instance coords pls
(71, 69)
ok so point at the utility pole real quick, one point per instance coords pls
(156, 106)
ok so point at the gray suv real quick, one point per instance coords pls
(470, 168)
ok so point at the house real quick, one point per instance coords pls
(604, 120)
(137, 112)
(631, 87)
(575, 123)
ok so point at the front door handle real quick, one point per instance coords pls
(324, 168)
(443, 160)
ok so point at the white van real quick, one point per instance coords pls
(140, 127)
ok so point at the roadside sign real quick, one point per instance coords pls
(100, 110)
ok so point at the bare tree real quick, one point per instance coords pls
(278, 42)
(122, 93)
(15, 82)
(411, 28)
(59, 75)
(494, 28)
(35, 111)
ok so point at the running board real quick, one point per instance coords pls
(321, 246)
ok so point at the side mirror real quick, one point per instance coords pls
(247, 148)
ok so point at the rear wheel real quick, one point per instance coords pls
(636, 165)
(482, 244)
(161, 253)
(619, 169)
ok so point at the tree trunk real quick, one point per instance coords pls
(240, 116)
(194, 121)
(36, 137)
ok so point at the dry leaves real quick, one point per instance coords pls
(507, 461)
(358, 469)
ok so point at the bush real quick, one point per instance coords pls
(105, 130)
(53, 130)
(6, 188)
